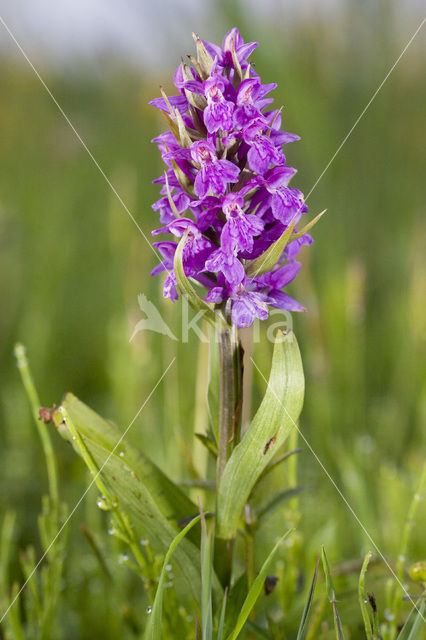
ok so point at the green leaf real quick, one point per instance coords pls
(207, 539)
(205, 60)
(142, 490)
(255, 591)
(154, 627)
(331, 595)
(411, 629)
(276, 416)
(307, 227)
(235, 601)
(222, 616)
(329, 587)
(308, 604)
(362, 597)
(208, 442)
(169, 196)
(186, 288)
(269, 258)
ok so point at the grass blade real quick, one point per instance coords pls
(331, 594)
(153, 630)
(363, 599)
(222, 616)
(410, 630)
(207, 538)
(305, 615)
(255, 590)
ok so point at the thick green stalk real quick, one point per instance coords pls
(230, 373)
(230, 399)
(52, 474)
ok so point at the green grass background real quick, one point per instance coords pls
(72, 264)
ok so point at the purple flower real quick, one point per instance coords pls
(176, 102)
(214, 174)
(240, 228)
(262, 152)
(232, 40)
(227, 263)
(271, 284)
(219, 112)
(226, 187)
(181, 201)
(196, 248)
(251, 101)
(246, 304)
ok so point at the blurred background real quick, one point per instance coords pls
(72, 262)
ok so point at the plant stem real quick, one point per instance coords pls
(230, 371)
(52, 474)
(230, 400)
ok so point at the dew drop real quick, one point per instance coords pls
(121, 454)
(148, 610)
(74, 438)
(169, 567)
(123, 558)
(144, 542)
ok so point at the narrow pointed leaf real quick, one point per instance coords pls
(185, 140)
(169, 196)
(412, 628)
(205, 60)
(362, 598)
(154, 627)
(301, 634)
(235, 601)
(270, 257)
(171, 124)
(209, 443)
(255, 591)
(276, 416)
(207, 538)
(331, 595)
(307, 227)
(222, 616)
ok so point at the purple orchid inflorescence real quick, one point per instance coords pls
(226, 185)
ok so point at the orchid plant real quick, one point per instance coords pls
(233, 227)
